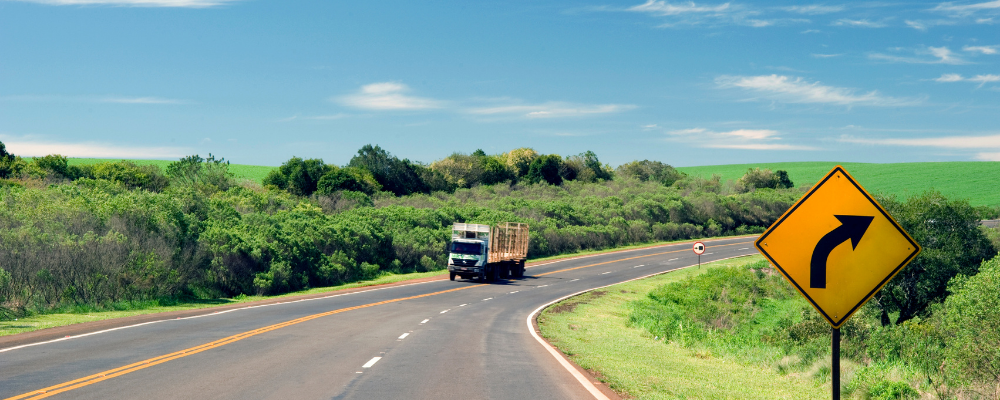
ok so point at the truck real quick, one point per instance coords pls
(487, 252)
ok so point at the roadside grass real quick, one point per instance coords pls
(630, 247)
(76, 315)
(972, 180)
(254, 173)
(70, 316)
(594, 330)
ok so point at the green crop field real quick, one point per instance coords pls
(976, 181)
(252, 172)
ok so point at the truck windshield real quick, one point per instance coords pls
(466, 248)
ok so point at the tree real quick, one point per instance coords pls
(54, 163)
(518, 160)
(783, 181)
(585, 167)
(647, 170)
(400, 177)
(350, 178)
(297, 176)
(545, 168)
(209, 174)
(757, 178)
(952, 242)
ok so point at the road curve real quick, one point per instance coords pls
(430, 340)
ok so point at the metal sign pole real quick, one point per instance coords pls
(699, 261)
(835, 368)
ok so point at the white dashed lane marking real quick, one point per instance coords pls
(488, 299)
(371, 362)
(442, 312)
(606, 273)
(463, 305)
(403, 336)
(745, 248)
(574, 280)
(425, 321)
(673, 259)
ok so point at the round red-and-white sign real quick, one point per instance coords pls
(699, 248)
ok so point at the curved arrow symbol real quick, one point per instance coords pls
(852, 227)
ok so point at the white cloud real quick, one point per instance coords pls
(811, 31)
(662, 8)
(981, 49)
(981, 79)
(139, 100)
(387, 96)
(743, 139)
(966, 9)
(134, 3)
(552, 109)
(949, 78)
(920, 26)
(941, 55)
(827, 55)
(814, 9)
(797, 90)
(861, 23)
(29, 148)
(949, 142)
(988, 156)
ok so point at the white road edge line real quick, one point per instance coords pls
(587, 384)
(425, 321)
(403, 336)
(371, 362)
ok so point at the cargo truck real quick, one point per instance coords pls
(488, 252)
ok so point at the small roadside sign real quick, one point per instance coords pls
(699, 248)
(837, 246)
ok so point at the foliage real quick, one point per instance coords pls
(401, 177)
(971, 323)
(948, 231)
(757, 178)
(545, 168)
(646, 170)
(209, 175)
(518, 160)
(350, 178)
(300, 177)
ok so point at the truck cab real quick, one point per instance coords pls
(488, 252)
(468, 253)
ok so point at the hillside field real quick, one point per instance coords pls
(977, 181)
(240, 171)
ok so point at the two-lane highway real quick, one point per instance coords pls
(432, 340)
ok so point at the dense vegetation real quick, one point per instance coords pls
(934, 327)
(109, 234)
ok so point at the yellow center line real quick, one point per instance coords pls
(112, 373)
(101, 376)
(632, 258)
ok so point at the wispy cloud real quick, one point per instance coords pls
(947, 142)
(967, 9)
(981, 79)
(797, 90)
(939, 55)
(827, 55)
(33, 148)
(552, 109)
(92, 99)
(859, 23)
(387, 96)
(814, 9)
(329, 117)
(691, 14)
(981, 49)
(743, 139)
(134, 3)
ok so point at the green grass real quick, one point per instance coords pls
(974, 181)
(255, 173)
(593, 330)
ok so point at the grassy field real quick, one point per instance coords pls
(240, 171)
(593, 330)
(978, 182)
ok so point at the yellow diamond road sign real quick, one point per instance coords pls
(837, 246)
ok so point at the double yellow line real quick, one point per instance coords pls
(102, 376)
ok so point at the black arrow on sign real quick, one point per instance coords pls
(852, 227)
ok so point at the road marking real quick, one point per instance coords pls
(488, 299)
(514, 291)
(403, 336)
(425, 321)
(575, 280)
(606, 273)
(442, 312)
(709, 253)
(463, 305)
(371, 362)
(673, 259)
(745, 248)
(633, 258)
(543, 286)
(113, 373)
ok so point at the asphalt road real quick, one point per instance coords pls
(432, 340)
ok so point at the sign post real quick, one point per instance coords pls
(699, 249)
(809, 246)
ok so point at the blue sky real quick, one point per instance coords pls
(258, 81)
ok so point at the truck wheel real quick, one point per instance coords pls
(451, 275)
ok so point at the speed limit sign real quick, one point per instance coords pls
(699, 248)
